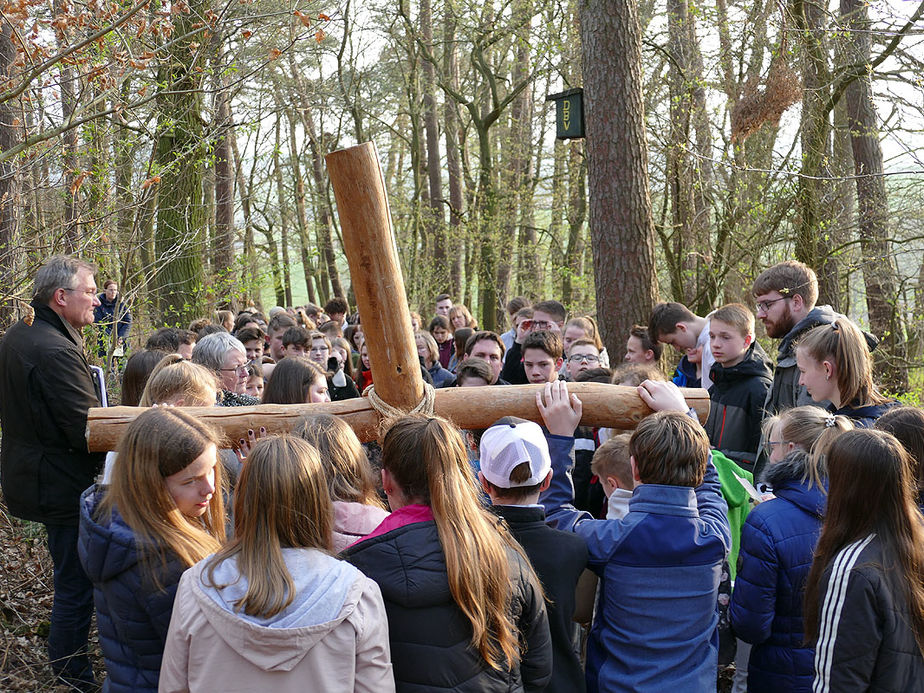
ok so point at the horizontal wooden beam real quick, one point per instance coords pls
(613, 406)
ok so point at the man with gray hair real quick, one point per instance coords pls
(45, 391)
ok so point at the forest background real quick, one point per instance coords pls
(180, 144)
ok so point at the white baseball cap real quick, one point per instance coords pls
(508, 443)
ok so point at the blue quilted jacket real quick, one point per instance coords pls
(659, 568)
(777, 542)
(132, 613)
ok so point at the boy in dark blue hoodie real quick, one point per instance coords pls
(741, 378)
(660, 566)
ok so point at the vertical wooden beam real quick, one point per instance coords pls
(369, 243)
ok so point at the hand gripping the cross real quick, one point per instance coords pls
(560, 413)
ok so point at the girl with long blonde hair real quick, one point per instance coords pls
(465, 609)
(835, 365)
(357, 507)
(272, 609)
(162, 512)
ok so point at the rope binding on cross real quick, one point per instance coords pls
(424, 406)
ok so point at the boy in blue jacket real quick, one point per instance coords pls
(660, 566)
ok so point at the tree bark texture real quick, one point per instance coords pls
(621, 227)
(814, 184)
(181, 214)
(433, 220)
(455, 234)
(223, 260)
(9, 184)
(283, 217)
(879, 271)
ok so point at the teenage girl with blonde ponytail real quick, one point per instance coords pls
(835, 365)
(465, 610)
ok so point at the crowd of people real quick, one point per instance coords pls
(783, 535)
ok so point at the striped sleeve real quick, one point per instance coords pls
(847, 646)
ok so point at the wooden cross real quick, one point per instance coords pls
(369, 243)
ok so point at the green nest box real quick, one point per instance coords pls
(569, 113)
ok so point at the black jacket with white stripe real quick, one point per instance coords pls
(865, 639)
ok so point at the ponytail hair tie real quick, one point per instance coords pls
(829, 421)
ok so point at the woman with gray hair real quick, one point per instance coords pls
(224, 354)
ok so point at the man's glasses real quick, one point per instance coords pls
(89, 292)
(580, 358)
(765, 305)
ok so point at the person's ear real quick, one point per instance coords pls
(484, 483)
(387, 483)
(748, 339)
(829, 369)
(681, 326)
(558, 363)
(798, 302)
(635, 475)
(649, 355)
(59, 296)
(545, 482)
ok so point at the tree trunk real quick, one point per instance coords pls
(301, 212)
(279, 289)
(621, 227)
(693, 276)
(9, 180)
(516, 171)
(879, 271)
(283, 218)
(327, 270)
(455, 239)
(69, 138)
(433, 218)
(251, 279)
(223, 269)
(181, 214)
(556, 220)
(814, 188)
(577, 214)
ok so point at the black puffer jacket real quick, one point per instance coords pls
(45, 391)
(865, 641)
(738, 394)
(430, 635)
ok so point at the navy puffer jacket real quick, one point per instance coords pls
(132, 613)
(430, 635)
(777, 542)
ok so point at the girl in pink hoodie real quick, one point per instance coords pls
(358, 509)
